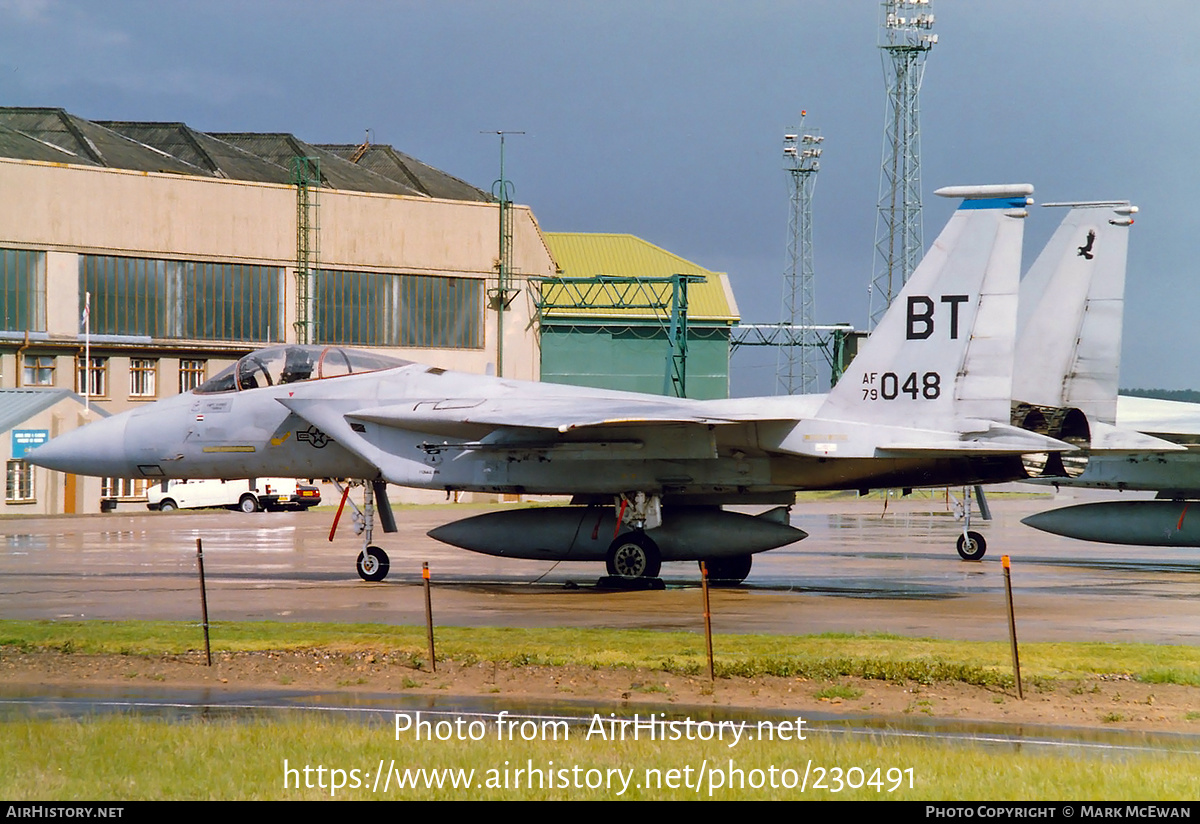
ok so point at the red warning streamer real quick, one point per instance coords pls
(338, 516)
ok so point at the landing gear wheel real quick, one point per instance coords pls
(373, 564)
(633, 555)
(728, 572)
(971, 547)
(248, 503)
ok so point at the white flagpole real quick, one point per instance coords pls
(87, 352)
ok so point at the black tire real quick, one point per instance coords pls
(633, 555)
(372, 564)
(248, 503)
(728, 572)
(972, 546)
(167, 505)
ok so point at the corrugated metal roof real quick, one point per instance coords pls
(15, 143)
(55, 135)
(386, 161)
(203, 151)
(336, 172)
(97, 144)
(582, 254)
(19, 405)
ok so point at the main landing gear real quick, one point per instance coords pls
(971, 545)
(633, 555)
(372, 563)
(634, 560)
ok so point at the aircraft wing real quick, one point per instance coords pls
(466, 417)
(498, 425)
(1172, 420)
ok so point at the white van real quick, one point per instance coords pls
(247, 495)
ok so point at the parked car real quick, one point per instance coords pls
(249, 495)
(287, 493)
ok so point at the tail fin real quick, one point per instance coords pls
(1071, 304)
(944, 350)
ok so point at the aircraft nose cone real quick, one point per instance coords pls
(95, 449)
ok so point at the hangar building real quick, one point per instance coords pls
(187, 245)
(589, 340)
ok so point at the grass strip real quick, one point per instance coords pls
(828, 656)
(137, 758)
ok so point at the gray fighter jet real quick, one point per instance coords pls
(926, 403)
(1078, 283)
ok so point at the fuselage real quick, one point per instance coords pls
(308, 428)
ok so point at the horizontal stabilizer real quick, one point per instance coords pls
(996, 439)
(966, 437)
(1107, 438)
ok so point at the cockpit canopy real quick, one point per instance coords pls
(278, 365)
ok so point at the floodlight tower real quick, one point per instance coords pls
(905, 42)
(796, 366)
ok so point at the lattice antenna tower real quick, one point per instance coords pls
(905, 40)
(306, 175)
(796, 366)
(501, 296)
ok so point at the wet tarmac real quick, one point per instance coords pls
(863, 569)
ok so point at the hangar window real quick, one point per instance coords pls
(38, 370)
(18, 484)
(22, 290)
(191, 373)
(91, 379)
(182, 299)
(143, 378)
(419, 311)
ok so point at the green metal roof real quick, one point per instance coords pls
(19, 405)
(582, 254)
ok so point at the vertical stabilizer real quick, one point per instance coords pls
(1071, 306)
(944, 350)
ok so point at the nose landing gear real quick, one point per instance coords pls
(373, 563)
